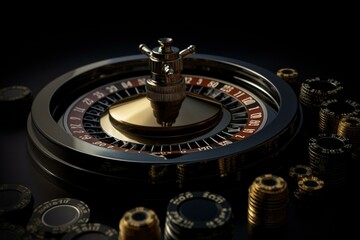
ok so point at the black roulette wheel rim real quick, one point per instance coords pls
(74, 161)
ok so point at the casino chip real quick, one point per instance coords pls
(54, 218)
(290, 75)
(328, 156)
(91, 231)
(198, 215)
(16, 102)
(15, 94)
(10, 231)
(140, 223)
(267, 202)
(16, 203)
(299, 171)
(296, 173)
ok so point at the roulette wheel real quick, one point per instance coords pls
(103, 131)
(163, 117)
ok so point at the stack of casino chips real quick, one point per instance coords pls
(349, 127)
(313, 92)
(328, 158)
(139, 223)
(267, 202)
(331, 112)
(198, 215)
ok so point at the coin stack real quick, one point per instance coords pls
(331, 111)
(328, 158)
(140, 223)
(267, 202)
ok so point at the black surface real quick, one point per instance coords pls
(35, 54)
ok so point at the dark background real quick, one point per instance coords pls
(317, 40)
(36, 49)
(35, 52)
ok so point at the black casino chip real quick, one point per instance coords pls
(14, 94)
(11, 231)
(198, 215)
(16, 102)
(54, 218)
(16, 203)
(92, 231)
